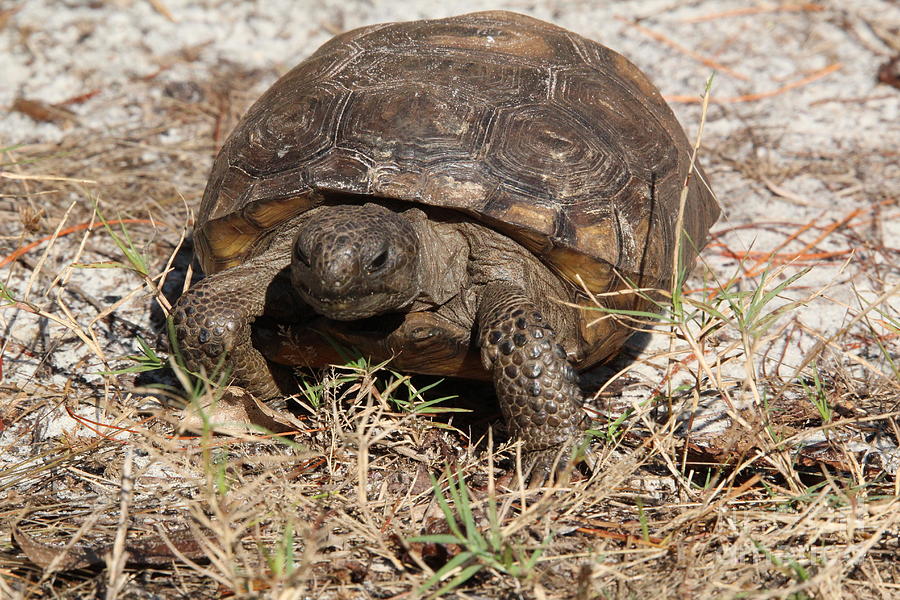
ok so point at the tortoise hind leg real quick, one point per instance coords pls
(213, 329)
(536, 386)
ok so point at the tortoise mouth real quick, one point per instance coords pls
(352, 307)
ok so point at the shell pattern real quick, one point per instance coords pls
(551, 138)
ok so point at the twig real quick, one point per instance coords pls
(761, 95)
(755, 10)
(91, 226)
(676, 260)
(761, 263)
(783, 193)
(43, 112)
(161, 9)
(673, 44)
(72, 288)
(22, 177)
(117, 556)
(852, 99)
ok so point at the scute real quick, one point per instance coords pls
(548, 137)
(627, 124)
(550, 155)
(463, 75)
(378, 124)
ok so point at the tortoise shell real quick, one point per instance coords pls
(539, 133)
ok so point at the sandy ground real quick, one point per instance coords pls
(801, 142)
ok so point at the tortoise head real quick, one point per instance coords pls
(352, 262)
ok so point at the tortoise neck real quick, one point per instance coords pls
(442, 262)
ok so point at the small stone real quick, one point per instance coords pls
(506, 347)
(519, 339)
(511, 371)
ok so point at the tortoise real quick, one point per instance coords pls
(447, 193)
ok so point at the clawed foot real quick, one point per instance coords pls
(552, 466)
(212, 324)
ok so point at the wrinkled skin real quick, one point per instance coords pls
(449, 282)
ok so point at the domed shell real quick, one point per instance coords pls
(551, 138)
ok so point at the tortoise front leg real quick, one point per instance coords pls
(213, 323)
(536, 386)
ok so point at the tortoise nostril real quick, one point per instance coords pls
(377, 263)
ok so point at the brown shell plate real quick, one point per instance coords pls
(548, 137)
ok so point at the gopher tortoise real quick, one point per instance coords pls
(444, 193)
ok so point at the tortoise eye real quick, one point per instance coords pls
(300, 255)
(378, 262)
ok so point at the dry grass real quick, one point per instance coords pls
(795, 496)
